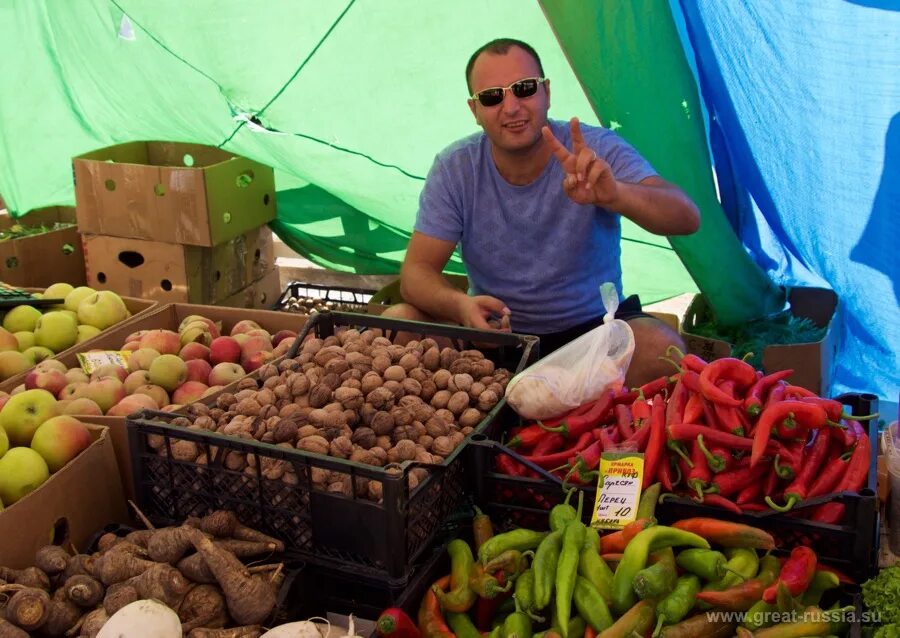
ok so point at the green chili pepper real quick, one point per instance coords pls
(647, 504)
(594, 568)
(674, 607)
(511, 562)
(524, 592)
(634, 559)
(575, 626)
(699, 625)
(658, 580)
(496, 631)
(520, 539)
(759, 616)
(784, 601)
(567, 568)
(822, 581)
(742, 565)
(485, 585)
(546, 560)
(462, 625)
(813, 623)
(563, 513)
(591, 606)
(517, 625)
(507, 607)
(708, 564)
(638, 620)
(460, 597)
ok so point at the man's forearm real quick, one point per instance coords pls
(662, 210)
(430, 292)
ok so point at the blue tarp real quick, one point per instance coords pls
(804, 104)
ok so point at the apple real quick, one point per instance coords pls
(255, 344)
(256, 360)
(4, 397)
(243, 326)
(131, 346)
(171, 408)
(135, 380)
(102, 310)
(196, 332)
(163, 341)
(18, 389)
(212, 390)
(132, 404)
(37, 354)
(282, 348)
(59, 440)
(198, 370)
(52, 364)
(212, 326)
(106, 392)
(142, 358)
(21, 319)
(241, 338)
(168, 371)
(259, 332)
(225, 373)
(13, 363)
(56, 330)
(24, 412)
(74, 298)
(58, 291)
(155, 392)
(86, 332)
(109, 370)
(22, 470)
(74, 390)
(136, 336)
(188, 392)
(25, 339)
(194, 351)
(4, 442)
(8, 340)
(77, 375)
(79, 407)
(53, 381)
(281, 335)
(224, 350)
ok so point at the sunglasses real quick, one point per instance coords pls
(521, 89)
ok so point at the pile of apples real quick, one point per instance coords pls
(35, 441)
(166, 369)
(30, 335)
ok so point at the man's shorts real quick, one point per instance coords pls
(630, 308)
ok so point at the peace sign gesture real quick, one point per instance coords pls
(589, 179)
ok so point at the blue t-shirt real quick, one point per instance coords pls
(530, 246)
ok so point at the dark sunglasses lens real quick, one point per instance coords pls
(525, 88)
(490, 97)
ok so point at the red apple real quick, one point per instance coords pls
(163, 341)
(59, 440)
(224, 350)
(132, 404)
(109, 370)
(281, 335)
(105, 392)
(79, 407)
(135, 380)
(194, 351)
(158, 394)
(198, 370)
(244, 326)
(188, 392)
(74, 390)
(225, 373)
(53, 381)
(256, 360)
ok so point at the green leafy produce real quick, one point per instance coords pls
(887, 631)
(17, 231)
(882, 598)
(753, 337)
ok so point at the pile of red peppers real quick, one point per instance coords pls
(721, 432)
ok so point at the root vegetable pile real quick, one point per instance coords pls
(77, 595)
(354, 396)
(721, 433)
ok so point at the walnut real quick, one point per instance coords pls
(268, 411)
(410, 402)
(381, 341)
(247, 407)
(409, 361)
(411, 386)
(316, 444)
(358, 358)
(425, 441)
(441, 399)
(332, 380)
(380, 363)
(460, 382)
(331, 432)
(337, 366)
(402, 416)
(457, 438)
(286, 430)
(267, 371)
(419, 374)
(205, 422)
(351, 417)
(441, 379)
(428, 390)
(476, 389)
(265, 397)
(382, 422)
(472, 354)
(225, 400)
(329, 352)
(432, 359)
(352, 383)
(184, 450)
(483, 368)
(247, 384)
(395, 373)
(365, 456)
(371, 381)
(343, 486)
(366, 413)
(405, 432)
(288, 365)
(436, 427)
(198, 409)
(467, 430)
(448, 356)
(461, 366)
(396, 352)
(442, 445)
(380, 453)
(291, 409)
(419, 427)
(303, 358)
(216, 413)
(470, 417)
(363, 437)
(282, 392)
(496, 388)
(487, 400)
(446, 416)
(319, 395)
(298, 384)
(350, 398)
(350, 334)
(383, 442)
(320, 477)
(423, 456)
(423, 412)
(381, 398)
(376, 491)
(235, 461)
(308, 430)
(312, 345)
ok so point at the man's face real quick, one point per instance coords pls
(514, 124)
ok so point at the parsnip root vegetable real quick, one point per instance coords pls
(170, 544)
(251, 631)
(30, 577)
(62, 615)
(119, 595)
(51, 559)
(163, 583)
(28, 608)
(93, 623)
(115, 567)
(224, 524)
(9, 630)
(79, 565)
(195, 569)
(203, 606)
(84, 591)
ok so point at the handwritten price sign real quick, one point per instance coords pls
(618, 489)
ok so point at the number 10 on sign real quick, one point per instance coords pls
(618, 489)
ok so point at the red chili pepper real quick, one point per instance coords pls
(506, 465)
(693, 409)
(676, 404)
(623, 420)
(549, 461)
(531, 435)
(796, 574)
(801, 420)
(776, 394)
(802, 415)
(753, 492)
(589, 632)
(718, 458)
(753, 402)
(486, 609)
(664, 473)
(606, 440)
(586, 422)
(700, 475)
(728, 419)
(854, 479)
(640, 411)
(770, 485)
(585, 462)
(639, 438)
(654, 387)
(550, 443)
(737, 480)
(691, 380)
(795, 391)
(687, 361)
(431, 619)
(718, 500)
(656, 444)
(689, 432)
(799, 488)
(729, 368)
(753, 507)
(618, 540)
(626, 398)
(394, 623)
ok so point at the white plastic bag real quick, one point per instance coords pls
(578, 372)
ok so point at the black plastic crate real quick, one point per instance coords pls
(851, 547)
(340, 298)
(379, 540)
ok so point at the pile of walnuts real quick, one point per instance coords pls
(354, 396)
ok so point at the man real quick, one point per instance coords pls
(538, 223)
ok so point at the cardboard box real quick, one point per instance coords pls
(171, 192)
(167, 317)
(175, 273)
(69, 508)
(812, 362)
(263, 293)
(41, 260)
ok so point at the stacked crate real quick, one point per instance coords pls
(180, 223)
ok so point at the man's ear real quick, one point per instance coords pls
(474, 111)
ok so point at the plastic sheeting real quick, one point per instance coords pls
(804, 100)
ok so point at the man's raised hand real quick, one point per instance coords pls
(589, 179)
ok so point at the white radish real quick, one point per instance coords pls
(300, 629)
(142, 619)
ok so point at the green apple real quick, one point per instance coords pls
(56, 330)
(13, 362)
(8, 340)
(25, 339)
(58, 291)
(36, 354)
(74, 298)
(59, 440)
(168, 371)
(86, 332)
(21, 319)
(4, 442)
(102, 310)
(22, 470)
(24, 412)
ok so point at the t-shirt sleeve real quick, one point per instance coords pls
(627, 164)
(440, 211)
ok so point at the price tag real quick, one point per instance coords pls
(90, 361)
(618, 489)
